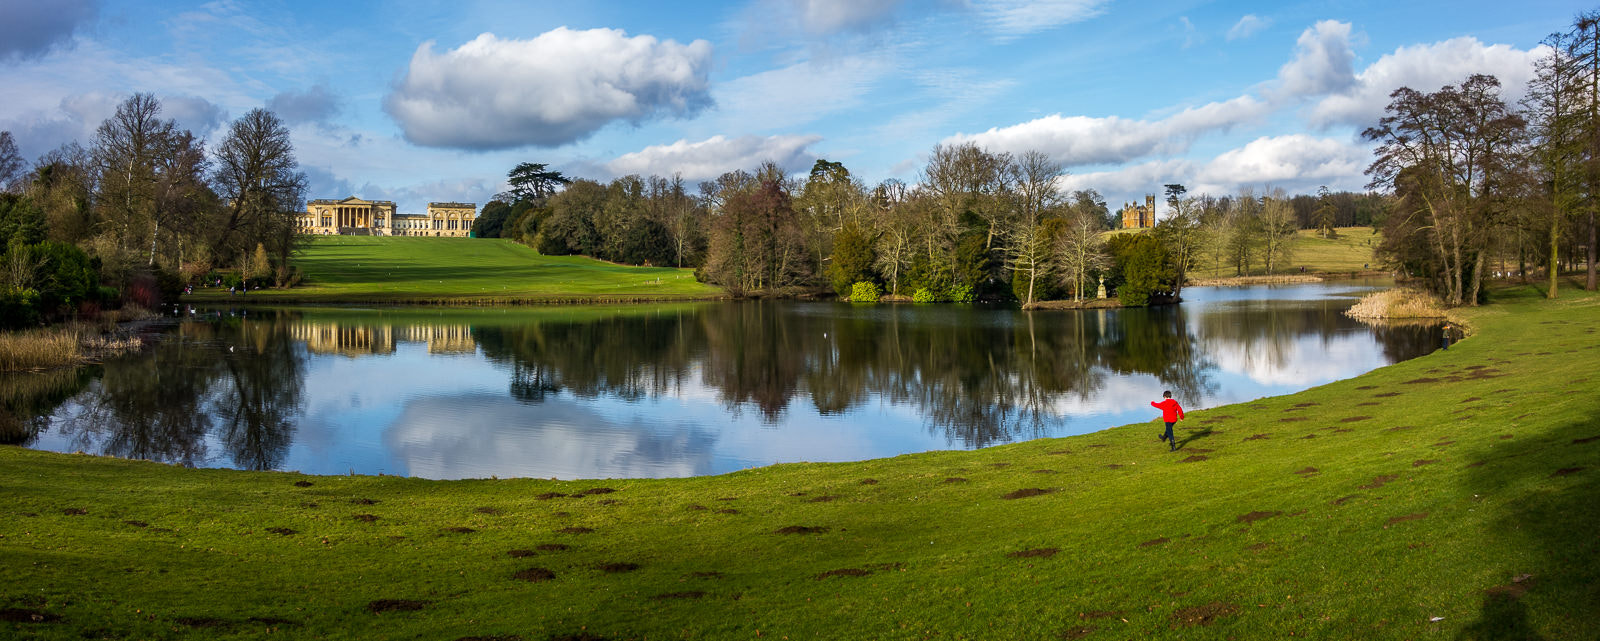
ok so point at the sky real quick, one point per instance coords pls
(419, 102)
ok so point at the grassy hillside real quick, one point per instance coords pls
(1349, 251)
(1449, 497)
(405, 269)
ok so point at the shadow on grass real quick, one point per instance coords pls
(1194, 436)
(1548, 483)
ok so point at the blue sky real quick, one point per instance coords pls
(428, 101)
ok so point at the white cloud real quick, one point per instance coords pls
(30, 29)
(1297, 162)
(1083, 140)
(707, 159)
(1323, 62)
(1013, 18)
(196, 114)
(555, 89)
(1248, 26)
(1425, 67)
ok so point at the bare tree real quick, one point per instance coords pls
(11, 164)
(1079, 249)
(1026, 238)
(1553, 111)
(1278, 229)
(126, 152)
(256, 175)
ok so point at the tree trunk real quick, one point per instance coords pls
(1589, 284)
(1555, 245)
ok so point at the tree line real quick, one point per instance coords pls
(144, 209)
(977, 225)
(1484, 186)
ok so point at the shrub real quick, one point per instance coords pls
(962, 293)
(864, 292)
(925, 295)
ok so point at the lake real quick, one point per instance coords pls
(680, 389)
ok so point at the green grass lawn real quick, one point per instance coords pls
(1350, 250)
(1453, 496)
(366, 269)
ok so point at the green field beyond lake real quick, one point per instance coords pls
(1450, 496)
(371, 269)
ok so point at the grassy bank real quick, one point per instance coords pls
(1350, 250)
(366, 269)
(1451, 496)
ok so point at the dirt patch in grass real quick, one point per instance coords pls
(1027, 492)
(1196, 459)
(458, 529)
(1258, 546)
(520, 554)
(534, 575)
(843, 572)
(705, 575)
(1444, 443)
(1045, 472)
(1204, 614)
(491, 511)
(1355, 419)
(1080, 632)
(1293, 419)
(282, 531)
(691, 594)
(24, 615)
(954, 479)
(1308, 436)
(1422, 381)
(309, 505)
(1567, 471)
(365, 518)
(1307, 471)
(576, 636)
(74, 511)
(203, 622)
(727, 510)
(1257, 437)
(364, 501)
(1514, 590)
(1409, 517)
(999, 465)
(302, 483)
(1307, 404)
(869, 481)
(576, 529)
(1367, 404)
(552, 547)
(828, 498)
(395, 605)
(1035, 553)
(1470, 399)
(550, 495)
(1367, 387)
(800, 529)
(1380, 481)
(617, 567)
(139, 523)
(1257, 516)
(1154, 542)
(1398, 428)
(508, 637)
(595, 490)
(1587, 439)
(1424, 461)
(697, 508)
(1386, 394)
(1114, 466)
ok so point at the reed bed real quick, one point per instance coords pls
(40, 348)
(1398, 303)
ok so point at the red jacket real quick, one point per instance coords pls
(1170, 411)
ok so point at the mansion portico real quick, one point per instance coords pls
(356, 217)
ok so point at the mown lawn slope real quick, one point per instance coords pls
(369, 269)
(1452, 497)
(1349, 250)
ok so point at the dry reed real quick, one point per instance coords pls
(1398, 303)
(40, 348)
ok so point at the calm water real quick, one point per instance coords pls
(679, 390)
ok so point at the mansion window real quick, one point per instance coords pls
(327, 221)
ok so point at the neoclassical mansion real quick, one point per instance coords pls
(356, 217)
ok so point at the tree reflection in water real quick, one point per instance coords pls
(975, 376)
(243, 376)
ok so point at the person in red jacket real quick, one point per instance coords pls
(1171, 412)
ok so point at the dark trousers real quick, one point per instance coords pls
(1171, 441)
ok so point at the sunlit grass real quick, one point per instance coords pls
(1450, 496)
(470, 270)
(1349, 250)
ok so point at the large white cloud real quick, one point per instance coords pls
(1323, 61)
(715, 156)
(1084, 140)
(1423, 67)
(1298, 163)
(555, 89)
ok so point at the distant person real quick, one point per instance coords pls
(1446, 338)
(1171, 412)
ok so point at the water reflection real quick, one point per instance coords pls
(675, 390)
